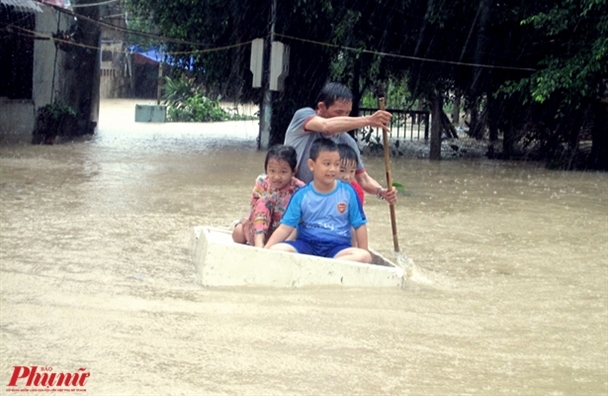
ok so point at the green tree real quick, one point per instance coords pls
(571, 73)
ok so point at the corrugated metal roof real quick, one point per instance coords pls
(22, 5)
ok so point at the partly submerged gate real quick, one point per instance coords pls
(405, 125)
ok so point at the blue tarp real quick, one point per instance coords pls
(157, 55)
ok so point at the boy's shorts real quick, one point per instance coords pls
(318, 248)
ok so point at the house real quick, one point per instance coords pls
(128, 72)
(47, 53)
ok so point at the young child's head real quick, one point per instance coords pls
(324, 160)
(348, 163)
(280, 165)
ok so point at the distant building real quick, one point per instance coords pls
(126, 71)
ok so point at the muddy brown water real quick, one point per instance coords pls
(510, 295)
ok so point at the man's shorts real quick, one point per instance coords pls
(322, 249)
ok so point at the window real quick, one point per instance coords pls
(16, 53)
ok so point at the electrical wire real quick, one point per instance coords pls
(94, 5)
(416, 58)
(97, 22)
(347, 48)
(35, 35)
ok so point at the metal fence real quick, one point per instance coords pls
(405, 125)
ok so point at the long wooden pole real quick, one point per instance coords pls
(389, 180)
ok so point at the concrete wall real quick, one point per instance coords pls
(115, 73)
(17, 117)
(48, 61)
(16, 120)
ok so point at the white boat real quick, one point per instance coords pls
(221, 262)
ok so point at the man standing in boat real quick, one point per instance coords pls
(331, 120)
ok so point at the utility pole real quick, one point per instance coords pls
(266, 111)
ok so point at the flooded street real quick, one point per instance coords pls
(510, 294)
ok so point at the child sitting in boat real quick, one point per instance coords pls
(270, 196)
(323, 212)
(348, 167)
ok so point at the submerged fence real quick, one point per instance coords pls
(405, 125)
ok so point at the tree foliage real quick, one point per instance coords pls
(575, 36)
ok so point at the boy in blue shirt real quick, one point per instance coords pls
(323, 212)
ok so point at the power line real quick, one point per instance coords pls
(127, 30)
(416, 58)
(34, 34)
(94, 5)
(326, 44)
(113, 16)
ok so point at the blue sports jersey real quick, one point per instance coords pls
(325, 217)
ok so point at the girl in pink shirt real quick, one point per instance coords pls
(348, 168)
(270, 197)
